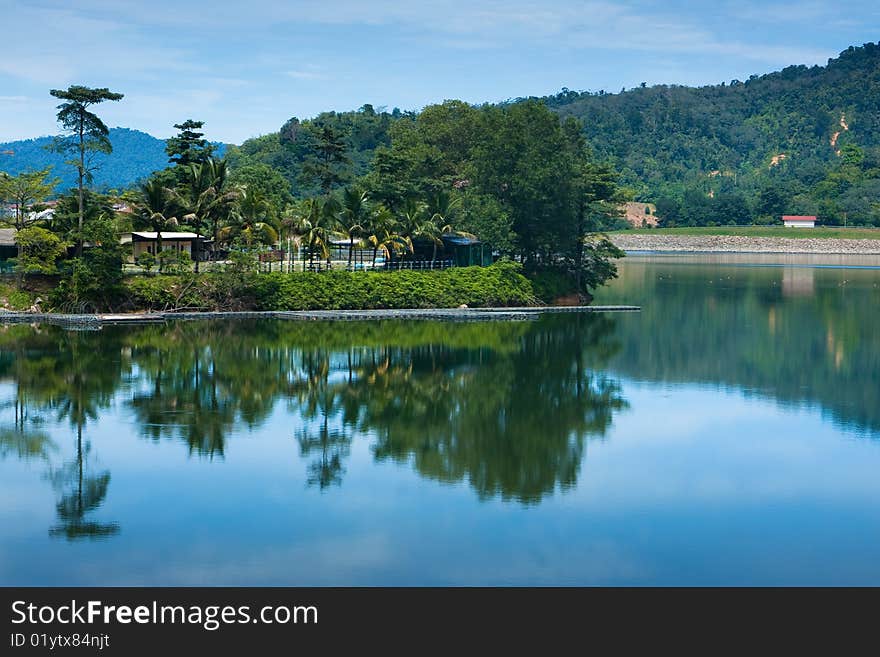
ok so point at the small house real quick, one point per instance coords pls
(467, 251)
(148, 242)
(8, 247)
(799, 221)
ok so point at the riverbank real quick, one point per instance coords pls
(442, 314)
(743, 244)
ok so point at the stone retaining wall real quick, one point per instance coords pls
(743, 244)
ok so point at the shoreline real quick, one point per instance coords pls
(745, 244)
(96, 321)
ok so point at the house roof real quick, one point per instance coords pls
(145, 235)
(797, 217)
(459, 240)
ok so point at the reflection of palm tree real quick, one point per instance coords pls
(69, 373)
(320, 401)
(508, 428)
(203, 382)
(80, 494)
(25, 445)
(454, 401)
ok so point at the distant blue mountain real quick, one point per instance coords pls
(135, 156)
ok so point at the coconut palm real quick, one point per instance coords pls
(382, 234)
(207, 196)
(156, 208)
(440, 207)
(315, 222)
(250, 220)
(353, 217)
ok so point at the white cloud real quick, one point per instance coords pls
(240, 63)
(304, 75)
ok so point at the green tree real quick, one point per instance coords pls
(25, 192)
(155, 208)
(354, 216)
(326, 159)
(94, 281)
(189, 146)
(208, 198)
(251, 221)
(265, 179)
(38, 250)
(316, 220)
(86, 134)
(595, 196)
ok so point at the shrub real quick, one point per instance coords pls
(39, 249)
(146, 261)
(501, 284)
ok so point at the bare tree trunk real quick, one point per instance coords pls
(81, 172)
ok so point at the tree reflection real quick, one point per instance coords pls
(318, 401)
(744, 327)
(74, 375)
(513, 425)
(506, 406)
(513, 422)
(80, 492)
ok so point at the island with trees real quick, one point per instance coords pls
(499, 205)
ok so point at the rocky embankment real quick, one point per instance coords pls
(743, 244)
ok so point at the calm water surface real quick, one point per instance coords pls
(727, 434)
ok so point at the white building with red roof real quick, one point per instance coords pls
(799, 221)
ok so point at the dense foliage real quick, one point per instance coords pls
(501, 284)
(798, 141)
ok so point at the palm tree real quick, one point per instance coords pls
(440, 205)
(156, 207)
(353, 217)
(315, 222)
(207, 197)
(382, 233)
(250, 220)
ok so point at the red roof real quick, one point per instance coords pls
(797, 217)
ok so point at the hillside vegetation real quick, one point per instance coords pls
(798, 141)
(803, 140)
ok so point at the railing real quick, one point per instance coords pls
(419, 265)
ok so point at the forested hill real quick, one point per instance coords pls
(804, 140)
(135, 156)
(801, 140)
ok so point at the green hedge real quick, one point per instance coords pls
(499, 285)
(502, 284)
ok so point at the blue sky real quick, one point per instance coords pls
(246, 67)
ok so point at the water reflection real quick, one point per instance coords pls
(506, 407)
(62, 375)
(797, 334)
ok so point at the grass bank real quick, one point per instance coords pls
(820, 232)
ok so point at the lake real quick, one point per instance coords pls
(729, 433)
